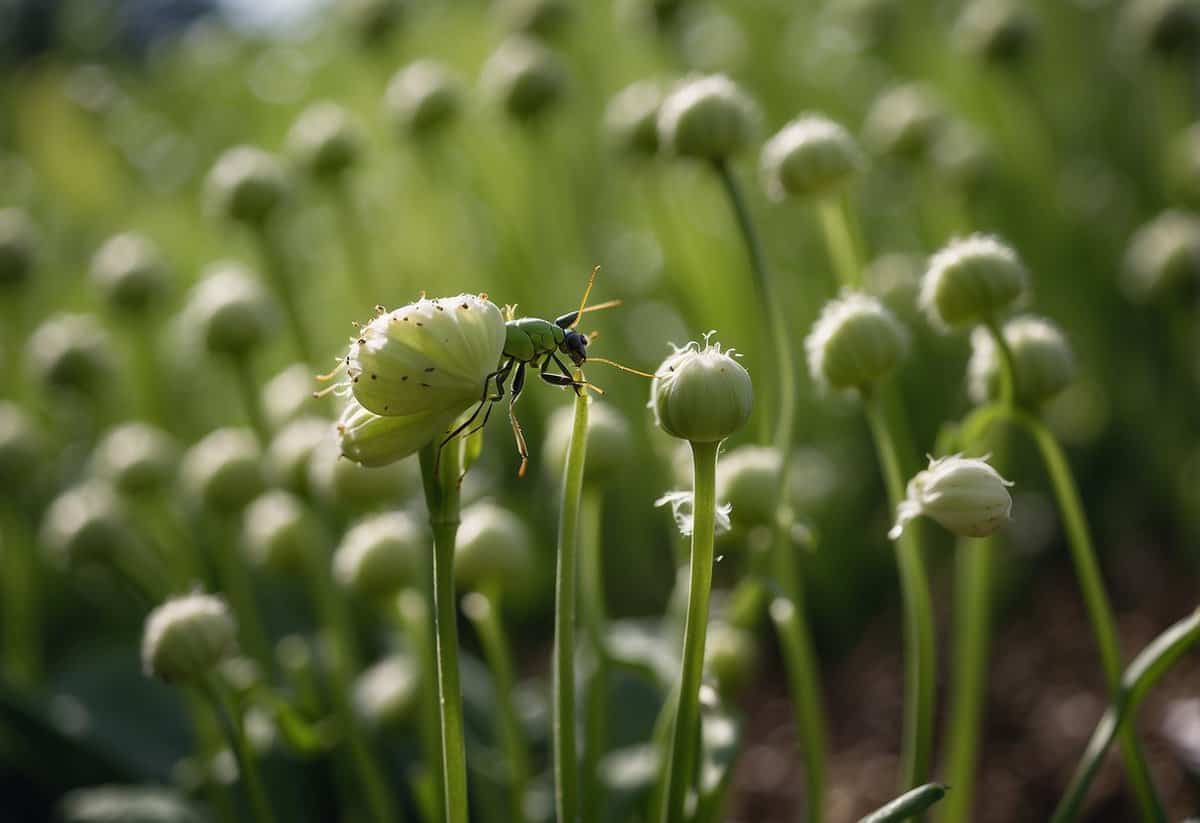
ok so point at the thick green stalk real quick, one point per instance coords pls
(279, 276)
(795, 639)
(919, 654)
(591, 583)
(565, 766)
(442, 498)
(681, 761)
(415, 610)
(481, 608)
(231, 719)
(839, 239)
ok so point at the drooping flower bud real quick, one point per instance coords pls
(247, 185)
(810, 157)
(373, 440)
(187, 637)
(631, 118)
(709, 118)
(1042, 359)
(423, 98)
(130, 273)
(966, 496)
(224, 470)
(1165, 28)
(229, 310)
(337, 480)
(429, 357)
(524, 77)
(904, 122)
(22, 446)
(137, 458)
(72, 352)
(970, 281)
(86, 526)
(290, 452)
(493, 550)
(998, 31)
(730, 655)
(288, 395)
(543, 18)
(855, 342)
(748, 480)
(18, 247)
(380, 555)
(1163, 254)
(701, 394)
(385, 695)
(324, 141)
(609, 443)
(373, 21)
(279, 533)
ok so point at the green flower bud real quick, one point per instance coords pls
(247, 185)
(137, 458)
(1167, 28)
(386, 694)
(279, 533)
(324, 141)
(126, 804)
(904, 122)
(962, 157)
(1042, 359)
(289, 395)
(709, 118)
(493, 550)
(338, 481)
(373, 21)
(86, 526)
(18, 248)
(544, 18)
(896, 278)
(631, 119)
(380, 555)
(748, 480)
(423, 98)
(730, 656)
(701, 394)
(230, 311)
(855, 342)
(810, 157)
(966, 496)
(1163, 255)
(187, 637)
(372, 440)
(130, 273)
(224, 470)
(609, 443)
(524, 77)
(290, 451)
(998, 31)
(970, 281)
(22, 449)
(72, 352)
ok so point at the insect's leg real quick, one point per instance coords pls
(499, 395)
(564, 379)
(485, 400)
(518, 434)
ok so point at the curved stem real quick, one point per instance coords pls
(442, 498)
(565, 767)
(1008, 369)
(839, 239)
(919, 655)
(591, 582)
(231, 719)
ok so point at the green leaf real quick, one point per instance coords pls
(908, 805)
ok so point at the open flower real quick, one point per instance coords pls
(965, 495)
(681, 503)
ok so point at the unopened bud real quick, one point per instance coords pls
(701, 394)
(731, 656)
(229, 310)
(1042, 360)
(18, 247)
(1163, 255)
(187, 637)
(337, 480)
(493, 550)
(224, 470)
(748, 480)
(709, 118)
(998, 31)
(130, 272)
(380, 555)
(524, 77)
(324, 141)
(72, 352)
(904, 122)
(966, 496)
(290, 451)
(609, 442)
(855, 342)
(385, 695)
(972, 280)
(247, 184)
(423, 97)
(280, 533)
(372, 440)
(137, 458)
(631, 118)
(543, 18)
(810, 157)
(86, 526)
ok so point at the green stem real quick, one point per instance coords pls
(565, 766)
(354, 242)
(681, 761)
(1008, 369)
(919, 656)
(481, 609)
(1087, 570)
(231, 719)
(234, 577)
(414, 609)
(243, 373)
(279, 276)
(442, 498)
(839, 239)
(591, 581)
(22, 640)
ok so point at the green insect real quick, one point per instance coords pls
(540, 344)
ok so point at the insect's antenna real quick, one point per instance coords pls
(617, 365)
(586, 292)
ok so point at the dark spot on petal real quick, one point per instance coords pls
(429, 369)
(464, 306)
(419, 323)
(440, 308)
(362, 341)
(403, 377)
(374, 377)
(426, 385)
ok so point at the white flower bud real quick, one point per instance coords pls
(137, 458)
(493, 550)
(810, 157)
(970, 281)
(373, 21)
(543, 18)
(1166, 28)
(289, 395)
(290, 451)
(524, 77)
(246, 184)
(279, 533)
(229, 310)
(631, 118)
(324, 140)
(854, 343)
(904, 122)
(701, 394)
(748, 480)
(1163, 255)
(72, 352)
(380, 555)
(709, 118)
(338, 481)
(224, 470)
(423, 97)
(22, 449)
(86, 525)
(1042, 359)
(1183, 165)
(386, 693)
(730, 656)
(130, 272)
(965, 495)
(373, 440)
(18, 246)
(187, 637)
(998, 31)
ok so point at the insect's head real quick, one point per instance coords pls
(574, 346)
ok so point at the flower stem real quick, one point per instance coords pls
(1008, 370)
(595, 620)
(565, 767)
(414, 610)
(231, 719)
(481, 608)
(442, 498)
(251, 402)
(354, 242)
(839, 239)
(919, 657)
(22, 641)
(1087, 570)
(279, 276)
(685, 734)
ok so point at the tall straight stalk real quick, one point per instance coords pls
(919, 655)
(565, 767)
(591, 580)
(415, 610)
(834, 218)
(442, 498)
(795, 637)
(685, 733)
